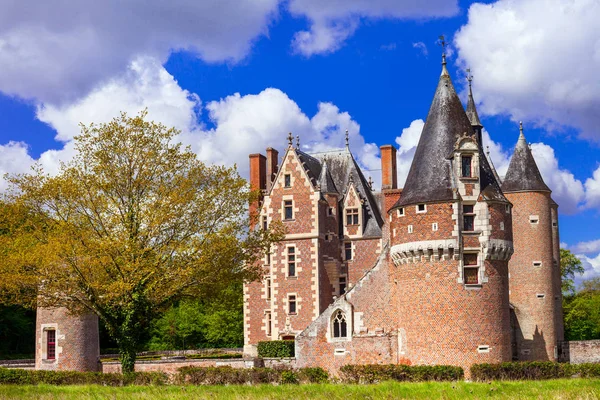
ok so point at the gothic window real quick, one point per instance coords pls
(352, 216)
(51, 344)
(340, 327)
(287, 180)
(292, 304)
(471, 268)
(291, 261)
(468, 218)
(288, 209)
(466, 166)
(347, 251)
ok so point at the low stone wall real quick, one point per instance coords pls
(18, 364)
(171, 366)
(280, 362)
(583, 351)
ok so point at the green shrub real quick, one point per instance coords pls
(373, 373)
(313, 375)
(28, 377)
(276, 348)
(289, 377)
(534, 370)
(234, 376)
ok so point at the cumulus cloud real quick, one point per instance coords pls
(333, 21)
(57, 50)
(422, 47)
(591, 266)
(539, 58)
(407, 145)
(592, 246)
(592, 190)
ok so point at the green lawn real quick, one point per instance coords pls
(555, 389)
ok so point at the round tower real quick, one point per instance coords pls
(451, 240)
(534, 268)
(66, 342)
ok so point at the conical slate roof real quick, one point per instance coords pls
(523, 174)
(472, 110)
(429, 178)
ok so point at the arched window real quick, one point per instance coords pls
(340, 329)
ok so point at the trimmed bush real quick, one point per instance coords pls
(374, 373)
(232, 376)
(313, 375)
(276, 348)
(29, 377)
(534, 370)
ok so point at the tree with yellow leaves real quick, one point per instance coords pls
(134, 223)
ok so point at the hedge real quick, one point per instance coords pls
(239, 376)
(534, 370)
(276, 348)
(374, 373)
(33, 377)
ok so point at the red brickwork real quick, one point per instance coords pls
(533, 292)
(579, 352)
(440, 213)
(77, 340)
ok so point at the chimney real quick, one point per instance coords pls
(389, 179)
(272, 156)
(258, 171)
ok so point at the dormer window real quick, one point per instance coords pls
(352, 216)
(287, 180)
(466, 170)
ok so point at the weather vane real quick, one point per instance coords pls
(469, 76)
(443, 43)
(290, 138)
(298, 141)
(347, 139)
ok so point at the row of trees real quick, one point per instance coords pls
(133, 225)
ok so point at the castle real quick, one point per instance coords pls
(456, 268)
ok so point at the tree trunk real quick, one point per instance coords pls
(127, 356)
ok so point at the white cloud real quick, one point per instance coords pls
(499, 157)
(567, 191)
(422, 47)
(591, 266)
(59, 50)
(540, 60)
(407, 145)
(333, 21)
(592, 190)
(14, 159)
(592, 246)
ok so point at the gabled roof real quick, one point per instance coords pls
(523, 174)
(340, 167)
(430, 175)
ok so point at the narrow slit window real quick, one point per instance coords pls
(466, 171)
(342, 285)
(330, 211)
(51, 344)
(288, 209)
(292, 304)
(534, 219)
(268, 288)
(434, 227)
(401, 212)
(269, 323)
(287, 178)
(348, 251)
(291, 261)
(410, 229)
(264, 223)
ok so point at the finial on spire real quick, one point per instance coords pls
(347, 139)
(469, 77)
(442, 43)
(521, 127)
(290, 138)
(371, 183)
(298, 142)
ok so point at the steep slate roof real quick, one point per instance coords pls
(472, 110)
(523, 173)
(326, 181)
(312, 166)
(340, 166)
(430, 178)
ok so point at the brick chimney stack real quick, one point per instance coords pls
(389, 179)
(272, 157)
(258, 173)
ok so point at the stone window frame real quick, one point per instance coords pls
(265, 222)
(472, 214)
(283, 208)
(534, 219)
(424, 211)
(268, 288)
(353, 214)
(463, 157)
(343, 326)
(410, 229)
(44, 339)
(289, 302)
(268, 323)
(537, 264)
(434, 227)
(287, 181)
(477, 266)
(400, 212)
(348, 248)
(50, 344)
(294, 261)
(501, 225)
(340, 283)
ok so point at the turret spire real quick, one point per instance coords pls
(443, 44)
(472, 110)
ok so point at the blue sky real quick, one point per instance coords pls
(235, 77)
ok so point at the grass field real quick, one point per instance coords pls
(554, 389)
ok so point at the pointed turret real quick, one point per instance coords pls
(472, 111)
(429, 178)
(523, 174)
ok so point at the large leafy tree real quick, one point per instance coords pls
(129, 227)
(570, 265)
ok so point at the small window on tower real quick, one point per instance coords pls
(264, 223)
(268, 288)
(292, 304)
(507, 208)
(291, 261)
(288, 209)
(352, 216)
(434, 227)
(401, 212)
(466, 167)
(421, 208)
(342, 285)
(468, 218)
(287, 180)
(471, 269)
(269, 322)
(348, 251)
(534, 219)
(330, 211)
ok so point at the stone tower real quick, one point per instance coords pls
(66, 342)
(451, 240)
(534, 270)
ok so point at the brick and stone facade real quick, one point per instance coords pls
(431, 276)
